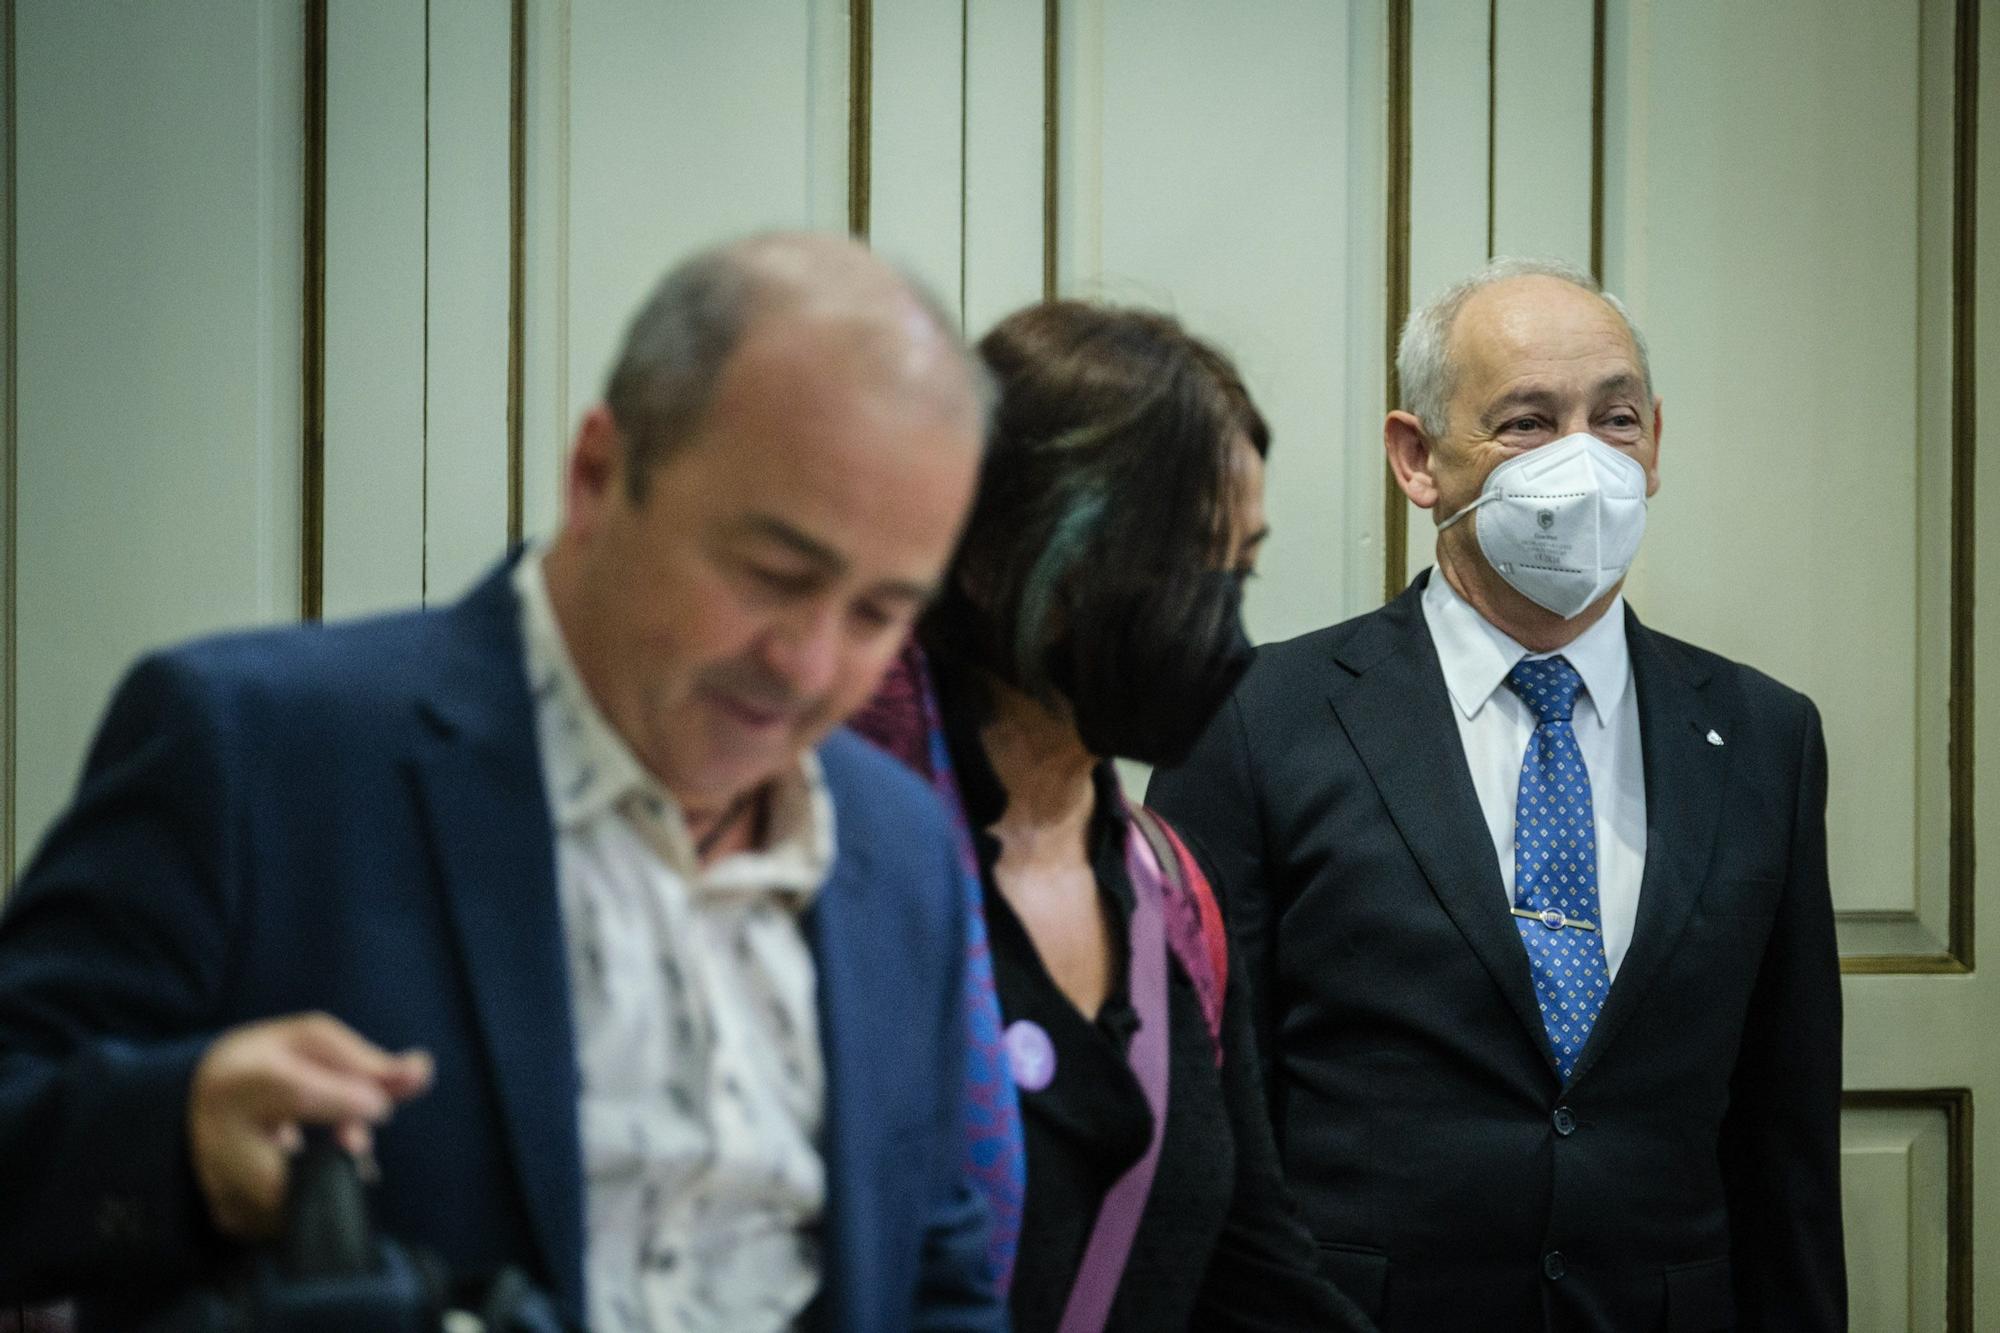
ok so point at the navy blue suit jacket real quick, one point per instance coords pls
(352, 819)
(1687, 1177)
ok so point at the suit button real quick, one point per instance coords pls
(1565, 1121)
(1552, 1265)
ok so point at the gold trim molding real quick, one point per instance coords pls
(11, 463)
(1492, 118)
(1051, 138)
(517, 212)
(860, 111)
(1597, 141)
(1956, 1104)
(1395, 506)
(1964, 395)
(312, 369)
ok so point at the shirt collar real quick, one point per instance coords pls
(1476, 654)
(590, 773)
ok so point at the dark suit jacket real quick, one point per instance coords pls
(352, 819)
(1688, 1175)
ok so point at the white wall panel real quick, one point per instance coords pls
(688, 123)
(1807, 438)
(1542, 54)
(157, 226)
(1197, 206)
(466, 299)
(654, 129)
(1450, 162)
(1005, 54)
(375, 305)
(1894, 1176)
(916, 176)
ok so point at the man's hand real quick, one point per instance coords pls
(259, 1085)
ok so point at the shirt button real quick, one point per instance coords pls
(1552, 1265)
(1565, 1121)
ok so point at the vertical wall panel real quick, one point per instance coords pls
(1450, 174)
(689, 123)
(1542, 53)
(8, 452)
(1201, 208)
(1807, 414)
(1080, 74)
(376, 170)
(545, 394)
(1005, 48)
(157, 220)
(1358, 431)
(465, 471)
(916, 176)
(1895, 1173)
(653, 129)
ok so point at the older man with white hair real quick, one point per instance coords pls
(1534, 897)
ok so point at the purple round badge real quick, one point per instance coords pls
(1031, 1056)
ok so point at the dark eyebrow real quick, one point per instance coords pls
(829, 561)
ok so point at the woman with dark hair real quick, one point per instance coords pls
(1094, 611)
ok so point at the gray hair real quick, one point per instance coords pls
(675, 349)
(1424, 371)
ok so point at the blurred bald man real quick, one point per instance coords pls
(569, 897)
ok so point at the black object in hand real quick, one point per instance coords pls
(329, 1273)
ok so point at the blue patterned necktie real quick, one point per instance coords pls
(1555, 862)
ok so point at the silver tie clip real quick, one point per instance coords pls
(1553, 919)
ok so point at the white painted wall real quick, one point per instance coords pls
(1228, 171)
(156, 225)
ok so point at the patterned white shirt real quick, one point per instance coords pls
(697, 1030)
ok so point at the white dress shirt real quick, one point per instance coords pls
(697, 1032)
(1496, 726)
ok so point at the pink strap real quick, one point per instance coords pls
(1118, 1216)
(1195, 933)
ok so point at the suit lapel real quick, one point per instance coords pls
(478, 774)
(1684, 781)
(1398, 715)
(852, 1221)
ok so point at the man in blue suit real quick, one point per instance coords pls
(565, 903)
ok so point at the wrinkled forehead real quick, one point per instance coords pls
(1537, 323)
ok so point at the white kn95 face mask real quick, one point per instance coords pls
(1562, 521)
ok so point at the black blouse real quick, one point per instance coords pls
(1218, 1246)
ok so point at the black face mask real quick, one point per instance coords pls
(1162, 660)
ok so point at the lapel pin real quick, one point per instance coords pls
(1031, 1056)
(1713, 738)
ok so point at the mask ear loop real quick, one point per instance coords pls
(1484, 499)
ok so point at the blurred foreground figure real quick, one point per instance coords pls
(564, 901)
